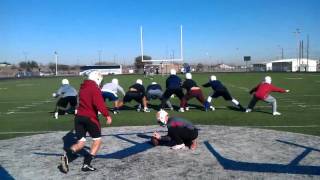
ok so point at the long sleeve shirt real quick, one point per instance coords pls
(91, 101)
(263, 89)
(216, 85)
(112, 88)
(173, 82)
(66, 90)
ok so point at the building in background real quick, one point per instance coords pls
(103, 69)
(288, 65)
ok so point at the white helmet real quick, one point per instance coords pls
(115, 81)
(173, 72)
(188, 76)
(139, 81)
(162, 117)
(65, 81)
(95, 76)
(267, 79)
(153, 83)
(213, 78)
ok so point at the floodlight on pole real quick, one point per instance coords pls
(56, 59)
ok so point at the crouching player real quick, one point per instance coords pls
(67, 99)
(192, 91)
(110, 92)
(154, 91)
(137, 92)
(219, 90)
(262, 92)
(180, 131)
(86, 120)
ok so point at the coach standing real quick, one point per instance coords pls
(86, 120)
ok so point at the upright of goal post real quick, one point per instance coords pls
(162, 60)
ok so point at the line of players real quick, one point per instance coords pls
(180, 131)
(174, 86)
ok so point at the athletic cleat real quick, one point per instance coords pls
(138, 110)
(248, 110)
(187, 108)
(87, 167)
(276, 113)
(181, 110)
(64, 164)
(146, 110)
(56, 114)
(116, 112)
(212, 108)
(178, 146)
(171, 109)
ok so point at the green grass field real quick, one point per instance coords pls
(25, 104)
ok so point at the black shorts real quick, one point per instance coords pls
(63, 102)
(83, 125)
(225, 94)
(178, 92)
(132, 95)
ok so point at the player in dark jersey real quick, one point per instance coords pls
(86, 120)
(192, 91)
(180, 131)
(173, 86)
(137, 92)
(219, 90)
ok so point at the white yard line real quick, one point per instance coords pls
(294, 78)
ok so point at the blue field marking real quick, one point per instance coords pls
(293, 167)
(4, 175)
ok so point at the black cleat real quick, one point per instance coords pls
(64, 164)
(87, 167)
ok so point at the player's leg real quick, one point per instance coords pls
(166, 95)
(209, 99)
(95, 132)
(227, 96)
(273, 102)
(252, 103)
(175, 134)
(199, 95)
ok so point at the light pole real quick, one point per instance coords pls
(56, 59)
(297, 33)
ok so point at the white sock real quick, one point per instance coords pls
(235, 102)
(209, 99)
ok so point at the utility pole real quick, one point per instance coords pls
(56, 59)
(308, 51)
(297, 33)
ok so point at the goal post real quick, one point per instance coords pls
(165, 59)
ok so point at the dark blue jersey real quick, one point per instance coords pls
(138, 88)
(173, 82)
(215, 85)
(154, 87)
(188, 84)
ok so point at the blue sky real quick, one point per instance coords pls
(214, 30)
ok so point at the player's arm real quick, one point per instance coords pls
(254, 89)
(119, 88)
(206, 84)
(277, 89)
(100, 105)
